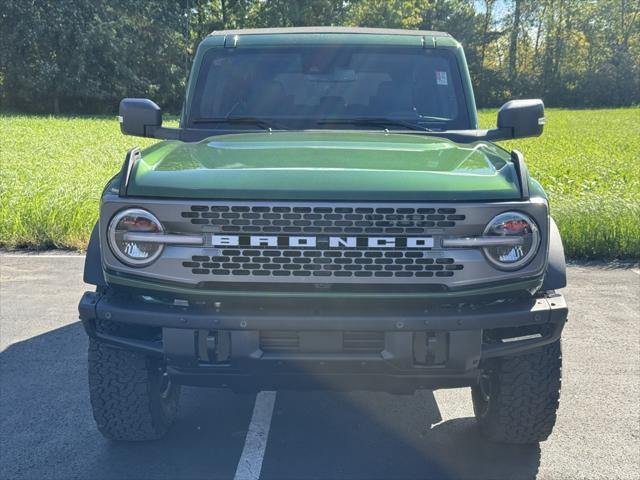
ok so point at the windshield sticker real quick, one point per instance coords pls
(441, 78)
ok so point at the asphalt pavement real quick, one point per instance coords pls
(47, 431)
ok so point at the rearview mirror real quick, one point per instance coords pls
(523, 118)
(139, 117)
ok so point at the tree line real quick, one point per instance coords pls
(83, 56)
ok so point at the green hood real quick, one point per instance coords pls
(329, 165)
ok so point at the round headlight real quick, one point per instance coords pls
(134, 253)
(519, 226)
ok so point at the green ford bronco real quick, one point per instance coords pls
(327, 215)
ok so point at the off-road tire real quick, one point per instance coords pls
(518, 400)
(131, 397)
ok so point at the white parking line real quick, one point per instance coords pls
(255, 443)
(39, 255)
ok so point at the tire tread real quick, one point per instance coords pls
(525, 397)
(124, 397)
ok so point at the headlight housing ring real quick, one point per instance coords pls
(134, 253)
(516, 256)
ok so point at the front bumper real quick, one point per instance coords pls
(466, 334)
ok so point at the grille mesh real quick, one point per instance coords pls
(279, 341)
(319, 220)
(288, 341)
(323, 263)
(362, 342)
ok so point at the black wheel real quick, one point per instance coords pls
(517, 397)
(132, 396)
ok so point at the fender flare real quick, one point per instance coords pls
(93, 273)
(556, 275)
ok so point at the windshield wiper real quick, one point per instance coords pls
(379, 121)
(260, 122)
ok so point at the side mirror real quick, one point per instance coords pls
(523, 118)
(139, 117)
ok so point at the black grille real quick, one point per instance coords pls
(322, 220)
(362, 342)
(288, 341)
(274, 341)
(323, 263)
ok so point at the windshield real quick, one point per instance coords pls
(329, 87)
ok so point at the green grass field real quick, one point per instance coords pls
(54, 168)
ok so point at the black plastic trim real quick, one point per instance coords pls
(315, 315)
(199, 134)
(384, 382)
(522, 346)
(93, 273)
(394, 369)
(523, 174)
(556, 275)
(127, 167)
(143, 346)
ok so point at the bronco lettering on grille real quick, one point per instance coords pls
(314, 241)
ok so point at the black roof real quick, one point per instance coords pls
(361, 30)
